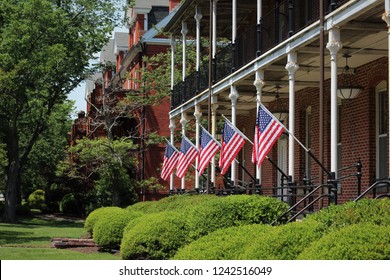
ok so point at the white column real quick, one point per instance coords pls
(234, 21)
(183, 122)
(386, 18)
(234, 97)
(259, 10)
(291, 67)
(259, 84)
(198, 17)
(172, 61)
(184, 31)
(197, 115)
(172, 127)
(214, 28)
(333, 45)
(214, 107)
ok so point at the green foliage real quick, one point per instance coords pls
(376, 211)
(285, 242)
(356, 242)
(36, 200)
(106, 165)
(172, 203)
(45, 48)
(70, 204)
(154, 236)
(96, 215)
(232, 211)
(108, 230)
(224, 244)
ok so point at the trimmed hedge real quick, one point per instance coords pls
(97, 214)
(223, 244)
(154, 236)
(356, 242)
(232, 211)
(36, 200)
(375, 211)
(108, 229)
(171, 203)
(286, 242)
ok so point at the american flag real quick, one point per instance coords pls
(170, 158)
(267, 131)
(208, 148)
(188, 153)
(232, 142)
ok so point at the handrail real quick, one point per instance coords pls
(372, 187)
(307, 206)
(299, 202)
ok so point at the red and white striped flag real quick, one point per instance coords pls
(232, 142)
(170, 159)
(208, 148)
(267, 131)
(188, 153)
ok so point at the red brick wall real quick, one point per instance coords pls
(358, 132)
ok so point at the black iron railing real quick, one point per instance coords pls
(283, 21)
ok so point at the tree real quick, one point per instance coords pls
(45, 48)
(105, 165)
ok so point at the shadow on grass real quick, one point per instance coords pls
(20, 237)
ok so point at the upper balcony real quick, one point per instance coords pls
(280, 20)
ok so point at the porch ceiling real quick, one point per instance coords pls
(363, 35)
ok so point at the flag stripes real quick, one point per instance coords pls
(208, 148)
(170, 159)
(188, 153)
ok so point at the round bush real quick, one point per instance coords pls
(108, 229)
(232, 211)
(361, 241)
(285, 242)
(224, 244)
(376, 211)
(97, 214)
(36, 200)
(154, 236)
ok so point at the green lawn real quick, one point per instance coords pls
(30, 240)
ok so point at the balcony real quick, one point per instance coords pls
(280, 23)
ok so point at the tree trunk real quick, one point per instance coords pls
(12, 176)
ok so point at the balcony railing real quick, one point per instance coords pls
(276, 26)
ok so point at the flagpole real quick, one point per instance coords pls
(299, 142)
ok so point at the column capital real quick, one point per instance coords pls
(386, 18)
(183, 120)
(334, 44)
(172, 124)
(233, 94)
(197, 113)
(292, 67)
(198, 14)
(172, 42)
(184, 29)
(214, 108)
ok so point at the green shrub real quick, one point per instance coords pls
(285, 242)
(36, 200)
(108, 229)
(361, 241)
(232, 211)
(154, 236)
(172, 203)
(70, 204)
(97, 214)
(224, 244)
(376, 211)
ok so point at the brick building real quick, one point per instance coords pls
(297, 59)
(122, 59)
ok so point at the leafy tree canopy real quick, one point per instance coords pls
(45, 48)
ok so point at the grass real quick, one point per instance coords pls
(30, 239)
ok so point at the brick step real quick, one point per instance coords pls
(72, 242)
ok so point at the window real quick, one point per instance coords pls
(157, 14)
(382, 113)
